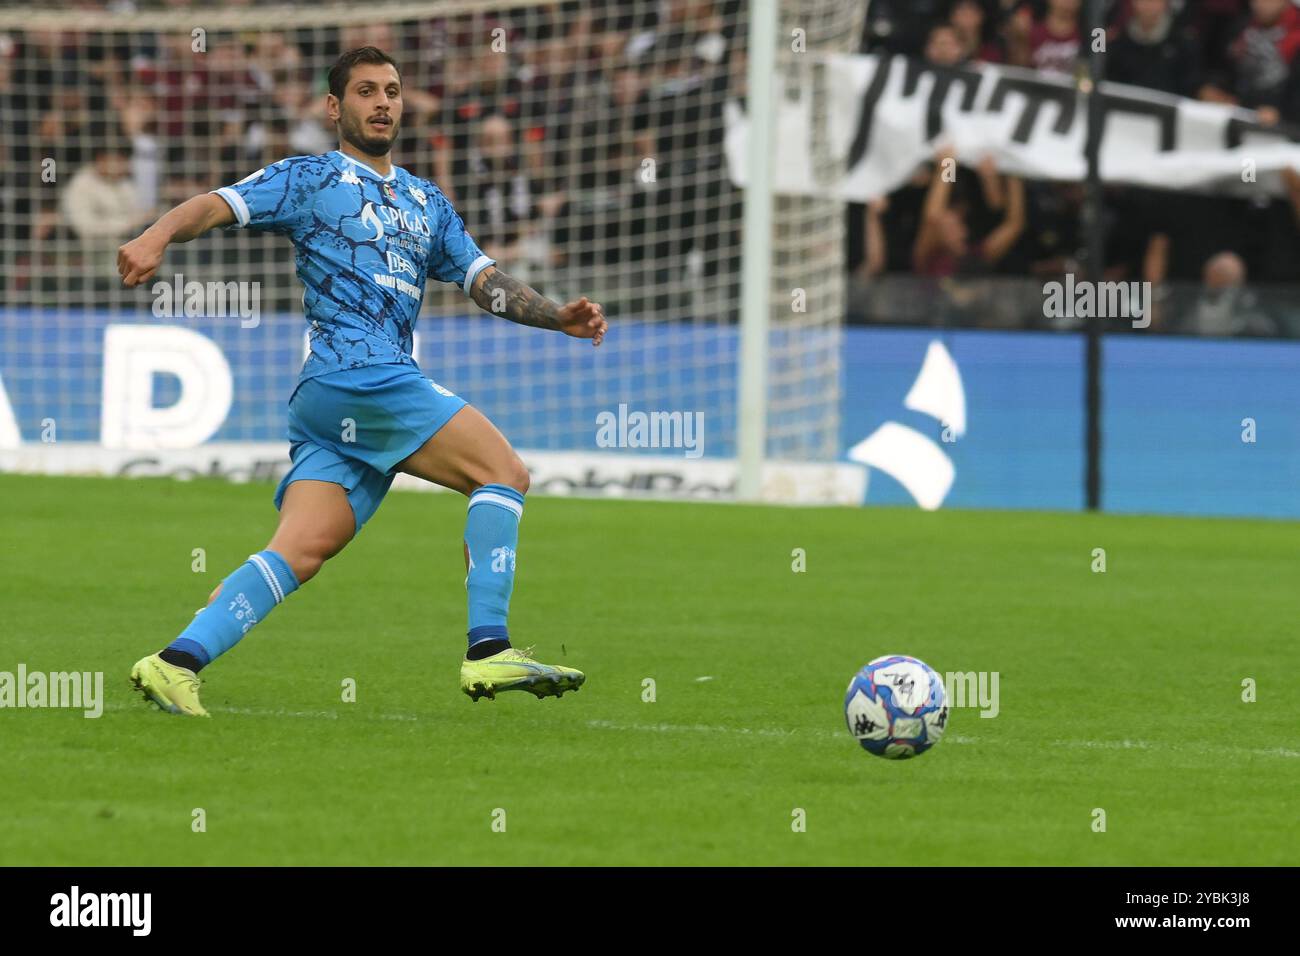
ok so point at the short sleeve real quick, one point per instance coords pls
(455, 256)
(276, 197)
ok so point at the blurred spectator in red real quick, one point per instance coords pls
(943, 245)
(178, 76)
(1052, 43)
(978, 41)
(1150, 50)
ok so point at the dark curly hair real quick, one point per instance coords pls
(341, 71)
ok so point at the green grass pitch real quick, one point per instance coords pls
(1119, 690)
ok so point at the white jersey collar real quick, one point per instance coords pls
(356, 162)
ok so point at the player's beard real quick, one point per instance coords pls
(355, 132)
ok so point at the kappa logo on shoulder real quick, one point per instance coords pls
(350, 177)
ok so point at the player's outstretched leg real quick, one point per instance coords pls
(469, 455)
(316, 522)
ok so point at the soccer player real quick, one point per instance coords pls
(367, 234)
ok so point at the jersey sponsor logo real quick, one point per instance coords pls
(397, 265)
(399, 285)
(404, 220)
(370, 218)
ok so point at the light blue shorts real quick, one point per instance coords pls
(352, 427)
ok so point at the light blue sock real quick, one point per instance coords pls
(250, 593)
(491, 535)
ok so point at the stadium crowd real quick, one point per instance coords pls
(539, 120)
(1198, 251)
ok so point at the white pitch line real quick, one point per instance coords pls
(745, 731)
(1204, 749)
(955, 739)
(280, 712)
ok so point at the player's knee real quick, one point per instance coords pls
(516, 476)
(512, 473)
(306, 556)
(304, 565)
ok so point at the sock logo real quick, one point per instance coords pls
(243, 611)
(500, 556)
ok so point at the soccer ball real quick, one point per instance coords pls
(896, 707)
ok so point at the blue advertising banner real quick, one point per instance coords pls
(961, 418)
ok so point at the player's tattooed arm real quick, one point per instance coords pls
(501, 294)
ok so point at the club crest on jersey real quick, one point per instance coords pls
(390, 192)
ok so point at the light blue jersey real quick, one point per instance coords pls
(365, 245)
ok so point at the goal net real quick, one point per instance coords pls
(582, 143)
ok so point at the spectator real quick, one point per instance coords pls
(978, 42)
(900, 26)
(101, 206)
(1260, 58)
(943, 47)
(503, 203)
(877, 255)
(1050, 44)
(485, 86)
(140, 123)
(696, 20)
(943, 247)
(1225, 306)
(1214, 23)
(1151, 51)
